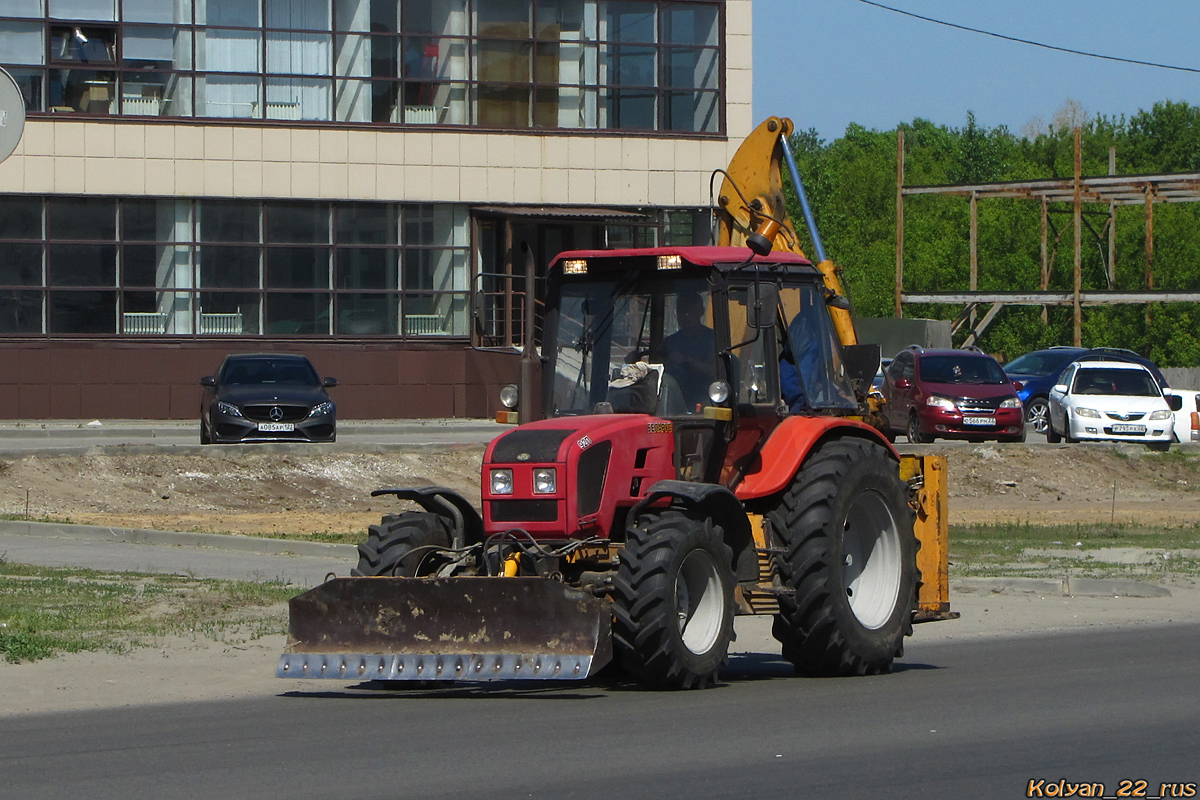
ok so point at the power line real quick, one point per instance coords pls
(1029, 41)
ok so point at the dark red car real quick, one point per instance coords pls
(951, 394)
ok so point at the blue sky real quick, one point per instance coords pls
(828, 63)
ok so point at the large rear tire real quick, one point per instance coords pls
(404, 545)
(847, 530)
(673, 601)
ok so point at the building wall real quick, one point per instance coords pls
(134, 157)
(132, 380)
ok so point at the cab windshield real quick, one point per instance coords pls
(641, 344)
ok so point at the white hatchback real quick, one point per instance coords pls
(1112, 400)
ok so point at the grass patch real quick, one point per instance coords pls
(23, 518)
(325, 537)
(47, 611)
(1025, 550)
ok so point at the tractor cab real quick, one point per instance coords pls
(721, 346)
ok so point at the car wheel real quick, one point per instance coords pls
(205, 436)
(1037, 415)
(1051, 435)
(914, 430)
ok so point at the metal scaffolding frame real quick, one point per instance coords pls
(1112, 190)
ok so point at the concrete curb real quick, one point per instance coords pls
(50, 429)
(212, 541)
(1064, 587)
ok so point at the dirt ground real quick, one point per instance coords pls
(253, 492)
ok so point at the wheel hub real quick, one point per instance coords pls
(872, 560)
(699, 602)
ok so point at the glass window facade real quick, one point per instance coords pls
(73, 266)
(644, 65)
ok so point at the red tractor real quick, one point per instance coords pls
(702, 453)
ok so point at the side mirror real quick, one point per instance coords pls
(761, 302)
(209, 381)
(838, 301)
(329, 383)
(1061, 388)
(902, 383)
(861, 362)
(1175, 402)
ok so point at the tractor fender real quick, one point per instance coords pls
(793, 439)
(718, 503)
(466, 525)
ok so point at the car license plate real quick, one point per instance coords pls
(276, 427)
(1129, 428)
(979, 420)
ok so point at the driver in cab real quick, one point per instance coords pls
(690, 352)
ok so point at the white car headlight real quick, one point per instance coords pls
(502, 482)
(1087, 412)
(1012, 402)
(1162, 413)
(939, 402)
(545, 481)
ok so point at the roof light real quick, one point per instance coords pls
(575, 266)
(672, 261)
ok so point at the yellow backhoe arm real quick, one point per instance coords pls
(752, 194)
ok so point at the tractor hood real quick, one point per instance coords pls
(566, 477)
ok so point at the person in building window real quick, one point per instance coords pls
(690, 352)
(800, 357)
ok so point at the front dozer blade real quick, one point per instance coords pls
(446, 629)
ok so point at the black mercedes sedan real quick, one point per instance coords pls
(266, 397)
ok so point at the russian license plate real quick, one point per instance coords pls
(276, 427)
(1129, 428)
(979, 420)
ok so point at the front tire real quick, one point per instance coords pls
(404, 545)
(847, 530)
(673, 601)
(1052, 436)
(914, 430)
(205, 436)
(1037, 415)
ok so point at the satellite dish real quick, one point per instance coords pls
(12, 114)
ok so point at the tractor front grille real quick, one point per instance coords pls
(524, 510)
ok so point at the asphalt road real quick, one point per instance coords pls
(979, 719)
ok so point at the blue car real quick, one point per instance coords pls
(1039, 371)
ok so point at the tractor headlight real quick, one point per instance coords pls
(1012, 402)
(545, 481)
(1162, 413)
(502, 482)
(1087, 412)
(939, 402)
(509, 396)
(718, 392)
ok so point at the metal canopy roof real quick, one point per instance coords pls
(1178, 187)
